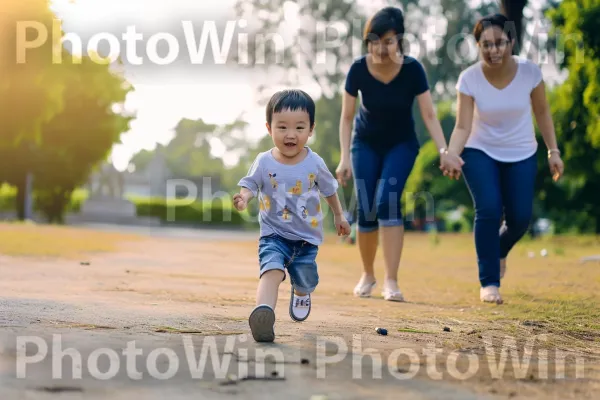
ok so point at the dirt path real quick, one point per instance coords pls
(172, 292)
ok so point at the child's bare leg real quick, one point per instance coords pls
(268, 288)
(262, 318)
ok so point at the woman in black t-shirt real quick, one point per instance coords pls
(384, 147)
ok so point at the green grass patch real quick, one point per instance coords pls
(569, 313)
(411, 330)
(214, 212)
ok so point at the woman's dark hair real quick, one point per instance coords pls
(292, 100)
(385, 20)
(499, 20)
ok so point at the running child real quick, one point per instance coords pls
(289, 180)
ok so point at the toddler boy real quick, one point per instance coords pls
(288, 181)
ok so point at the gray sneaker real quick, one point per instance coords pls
(262, 321)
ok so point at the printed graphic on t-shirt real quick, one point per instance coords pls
(289, 196)
(297, 190)
(264, 203)
(303, 212)
(311, 180)
(273, 181)
(285, 213)
(305, 204)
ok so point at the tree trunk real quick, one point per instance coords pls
(20, 199)
(513, 10)
(53, 205)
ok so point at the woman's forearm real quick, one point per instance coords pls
(547, 129)
(543, 116)
(458, 140)
(345, 135)
(435, 131)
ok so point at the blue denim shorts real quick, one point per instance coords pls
(298, 257)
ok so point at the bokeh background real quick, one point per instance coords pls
(72, 118)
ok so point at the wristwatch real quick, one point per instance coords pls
(443, 150)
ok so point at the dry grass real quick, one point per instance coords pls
(555, 294)
(25, 239)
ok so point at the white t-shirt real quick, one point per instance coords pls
(502, 119)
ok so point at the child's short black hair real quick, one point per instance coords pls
(293, 100)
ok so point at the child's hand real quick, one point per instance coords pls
(239, 202)
(342, 226)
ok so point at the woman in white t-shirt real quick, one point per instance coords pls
(495, 137)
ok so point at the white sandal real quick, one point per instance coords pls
(391, 292)
(364, 289)
(490, 294)
(392, 295)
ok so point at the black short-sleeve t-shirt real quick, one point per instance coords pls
(385, 115)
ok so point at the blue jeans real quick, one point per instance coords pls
(379, 180)
(498, 188)
(298, 257)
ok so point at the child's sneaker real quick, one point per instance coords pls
(262, 321)
(299, 306)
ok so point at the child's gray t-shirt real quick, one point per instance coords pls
(289, 195)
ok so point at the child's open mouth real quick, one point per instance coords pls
(290, 144)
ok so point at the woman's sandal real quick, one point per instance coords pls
(490, 294)
(392, 295)
(364, 289)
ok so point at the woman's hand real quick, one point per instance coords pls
(451, 165)
(556, 165)
(344, 171)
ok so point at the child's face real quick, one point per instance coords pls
(290, 131)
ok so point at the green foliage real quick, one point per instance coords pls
(301, 50)
(195, 213)
(30, 93)
(30, 88)
(80, 136)
(326, 141)
(7, 198)
(216, 213)
(576, 112)
(446, 62)
(57, 118)
(429, 194)
(188, 154)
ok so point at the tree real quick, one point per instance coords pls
(446, 62)
(30, 91)
(330, 38)
(189, 153)
(81, 135)
(443, 64)
(313, 50)
(576, 111)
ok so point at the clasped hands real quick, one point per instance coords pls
(451, 165)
